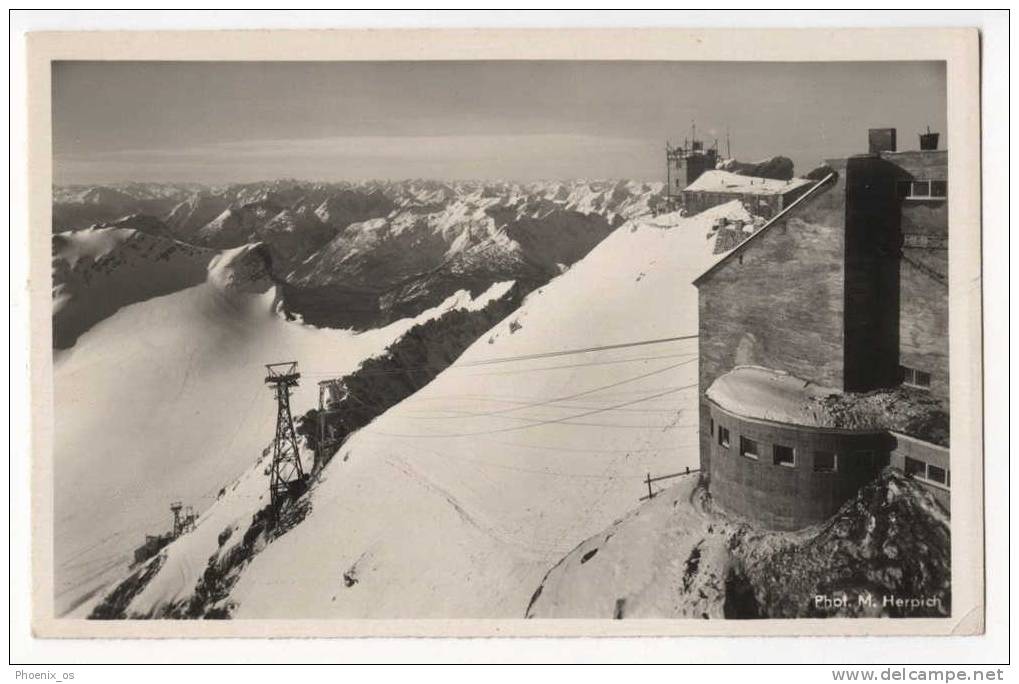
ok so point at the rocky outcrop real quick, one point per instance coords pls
(407, 365)
(778, 168)
(886, 553)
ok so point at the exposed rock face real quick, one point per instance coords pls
(98, 271)
(820, 172)
(881, 553)
(114, 605)
(778, 168)
(188, 217)
(886, 553)
(912, 412)
(390, 267)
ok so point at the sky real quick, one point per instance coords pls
(219, 122)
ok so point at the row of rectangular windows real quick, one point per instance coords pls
(781, 455)
(826, 461)
(922, 190)
(927, 471)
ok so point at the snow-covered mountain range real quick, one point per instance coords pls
(361, 255)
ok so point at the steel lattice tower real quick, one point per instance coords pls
(330, 395)
(286, 469)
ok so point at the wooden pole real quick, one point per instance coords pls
(649, 494)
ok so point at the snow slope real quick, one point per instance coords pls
(676, 556)
(455, 502)
(98, 270)
(667, 558)
(165, 400)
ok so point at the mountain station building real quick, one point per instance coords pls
(824, 341)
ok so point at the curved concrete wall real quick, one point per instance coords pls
(784, 497)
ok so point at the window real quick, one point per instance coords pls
(915, 468)
(923, 241)
(723, 437)
(937, 474)
(914, 377)
(783, 456)
(825, 462)
(712, 428)
(922, 189)
(927, 471)
(749, 448)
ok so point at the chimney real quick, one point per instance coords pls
(881, 140)
(928, 140)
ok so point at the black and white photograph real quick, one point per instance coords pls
(630, 342)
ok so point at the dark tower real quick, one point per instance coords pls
(684, 164)
(286, 470)
(175, 508)
(881, 140)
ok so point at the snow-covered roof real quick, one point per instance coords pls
(772, 395)
(725, 181)
(777, 218)
(766, 394)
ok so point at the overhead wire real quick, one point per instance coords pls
(505, 359)
(551, 421)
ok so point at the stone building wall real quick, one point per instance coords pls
(923, 301)
(769, 306)
(847, 288)
(786, 497)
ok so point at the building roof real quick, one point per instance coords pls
(780, 216)
(725, 181)
(775, 396)
(766, 394)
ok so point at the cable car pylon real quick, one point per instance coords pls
(286, 474)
